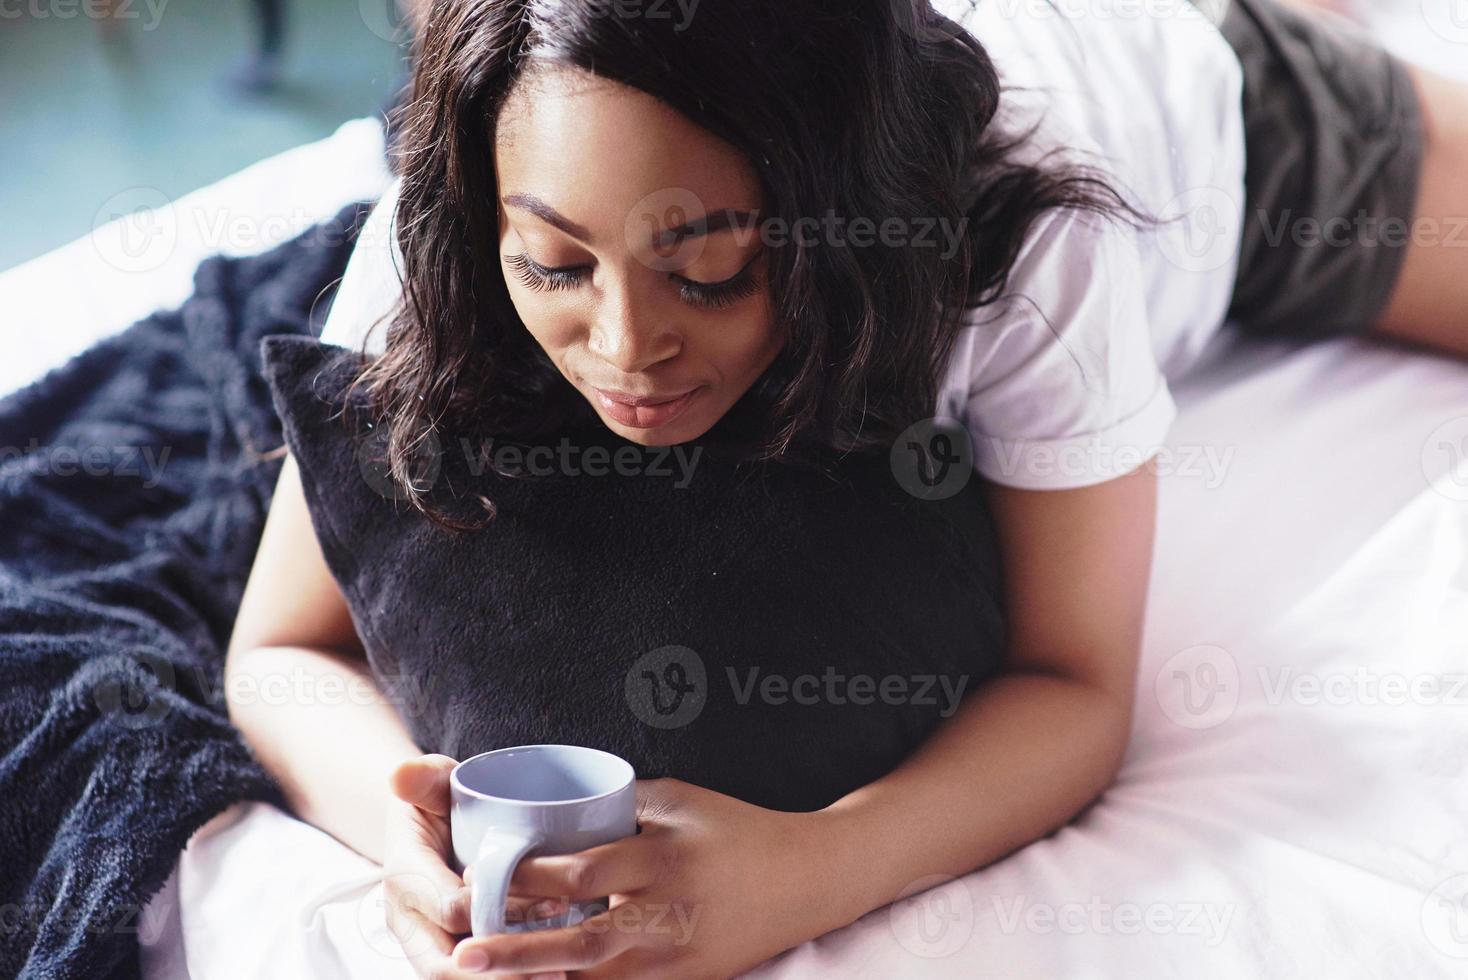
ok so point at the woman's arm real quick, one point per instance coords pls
(299, 688)
(301, 693)
(1026, 752)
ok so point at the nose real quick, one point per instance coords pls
(632, 334)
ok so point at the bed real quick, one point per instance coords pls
(1295, 795)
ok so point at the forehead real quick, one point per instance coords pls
(592, 147)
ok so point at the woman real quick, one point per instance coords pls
(655, 218)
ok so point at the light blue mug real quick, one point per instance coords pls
(534, 800)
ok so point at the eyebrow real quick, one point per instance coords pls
(548, 214)
(705, 225)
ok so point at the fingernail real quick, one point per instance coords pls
(474, 960)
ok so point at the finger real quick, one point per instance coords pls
(424, 782)
(532, 909)
(578, 947)
(429, 951)
(627, 865)
(428, 888)
(428, 948)
(416, 874)
(518, 908)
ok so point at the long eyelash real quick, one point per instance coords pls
(538, 277)
(726, 293)
(720, 294)
(707, 295)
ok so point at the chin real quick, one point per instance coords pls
(679, 431)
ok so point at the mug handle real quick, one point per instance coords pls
(499, 852)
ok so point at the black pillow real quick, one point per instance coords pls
(764, 630)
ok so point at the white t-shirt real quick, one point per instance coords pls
(1064, 383)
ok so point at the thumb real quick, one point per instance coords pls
(424, 782)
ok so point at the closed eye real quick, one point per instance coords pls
(538, 277)
(709, 295)
(727, 292)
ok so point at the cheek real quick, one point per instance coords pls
(742, 343)
(550, 317)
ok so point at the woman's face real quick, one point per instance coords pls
(661, 336)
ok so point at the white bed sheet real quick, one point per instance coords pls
(1283, 809)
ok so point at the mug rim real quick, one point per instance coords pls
(458, 784)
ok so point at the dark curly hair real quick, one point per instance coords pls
(877, 108)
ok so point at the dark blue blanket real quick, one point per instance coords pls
(134, 483)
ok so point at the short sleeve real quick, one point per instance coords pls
(1057, 382)
(371, 284)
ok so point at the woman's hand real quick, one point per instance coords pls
(427, 903)
(710, 887)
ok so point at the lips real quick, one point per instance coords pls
(644, 411)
